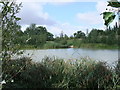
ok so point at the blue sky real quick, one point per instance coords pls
(68, 17)
(67, 12)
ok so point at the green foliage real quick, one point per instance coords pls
(114, 3)
(110, 16)
(70, 42)
(63, 41)
(77, 43)
(110, 36)
(79, 34)
(51, 72)
(52, 44)
(34, 36)
(9, 28)
(39, 38)
(117, 69)
(57, 73)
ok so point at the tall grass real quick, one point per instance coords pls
(53, 45)
(58, 73)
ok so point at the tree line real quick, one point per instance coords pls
(38, 36)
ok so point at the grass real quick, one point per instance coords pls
(75, 43)
(99, 46)
(53, 45)
(57, 73)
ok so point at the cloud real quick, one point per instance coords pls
(89, 18)
(67, 28)
(59, 0)
(33, 13)
(101, 6)
(47, 0)
(93, 18)
(56, 29)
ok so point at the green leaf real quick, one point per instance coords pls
(115, 4)
(108, 17)
(109, 20)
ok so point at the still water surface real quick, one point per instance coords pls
(109, 56)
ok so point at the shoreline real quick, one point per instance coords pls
(84, 46)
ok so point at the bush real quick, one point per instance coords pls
(58, 73)
(13, 69)
(51, 45)
(26, 74)
(117, 68)
(77, 43)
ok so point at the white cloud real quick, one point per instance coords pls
(89, 18)
(33, 13)
(101, 6)
(93, 18)
(66, 28)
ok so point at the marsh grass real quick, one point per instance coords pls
(58, 73)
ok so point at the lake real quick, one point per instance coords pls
(109, 56)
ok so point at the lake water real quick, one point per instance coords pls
(109, 56)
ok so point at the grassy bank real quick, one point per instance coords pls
(74, 43)
(80, 44)
(98, 46)
(57, 73)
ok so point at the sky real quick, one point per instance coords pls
(68, 16)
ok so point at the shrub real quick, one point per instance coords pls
(58, 73)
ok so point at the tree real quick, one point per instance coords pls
(93, 35)
(37, 36)
(50, 36)
(79, 34)
(9, 28)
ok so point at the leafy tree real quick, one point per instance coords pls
(37, 36)
(9, 29)
(50, 36)
(92, 36)
(79, 34)
(106, 37)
